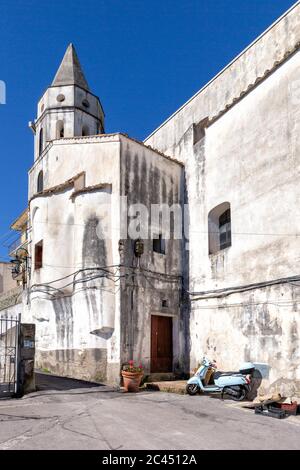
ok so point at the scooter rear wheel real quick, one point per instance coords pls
(192, 389)
(240, 396)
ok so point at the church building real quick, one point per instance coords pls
(103, 290)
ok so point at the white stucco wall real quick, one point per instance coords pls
(76, 322)
(79, 319)
(150, 178)
(229, 84)
(6, 281)
(70, 110)
(250, 158)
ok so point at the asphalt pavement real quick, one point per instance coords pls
(69, 414)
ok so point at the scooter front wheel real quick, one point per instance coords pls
(192, 389)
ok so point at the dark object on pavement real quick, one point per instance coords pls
(271, 412)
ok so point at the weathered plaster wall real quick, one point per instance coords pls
(261, 326)
(249, 157)
(89, 333)
(77, 325)
(149, 178)
(70, 111)
(14, 310)
(70, 156)
(6, 281)
(233, 81)
(11, 298)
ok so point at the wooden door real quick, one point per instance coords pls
(161, 344)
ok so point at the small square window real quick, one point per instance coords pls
(159, 245)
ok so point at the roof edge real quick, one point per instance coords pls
(224, 69)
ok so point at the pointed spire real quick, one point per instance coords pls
(70, 72)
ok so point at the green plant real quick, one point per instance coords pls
(131, 367)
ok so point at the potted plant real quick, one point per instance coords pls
(132, 376)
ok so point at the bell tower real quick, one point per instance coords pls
(67, 108)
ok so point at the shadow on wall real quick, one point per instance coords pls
(94, 251)
(104, 333)
(261, 372)
(186, 304)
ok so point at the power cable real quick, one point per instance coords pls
(264, 234)
(247, 304)
(231, 290)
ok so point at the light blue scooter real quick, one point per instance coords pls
(235, 384)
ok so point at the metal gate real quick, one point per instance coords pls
(9, 355)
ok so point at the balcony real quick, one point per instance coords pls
(19, 242)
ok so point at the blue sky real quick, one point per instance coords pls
(143, 59)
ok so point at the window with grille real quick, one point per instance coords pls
(225, 229)
(219, 228)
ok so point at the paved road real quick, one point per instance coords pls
(67, 414)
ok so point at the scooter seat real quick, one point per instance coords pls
(217, 375)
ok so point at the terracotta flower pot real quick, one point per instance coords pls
(132, 380)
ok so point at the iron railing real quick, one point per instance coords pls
(18, 243)
(9, 355)
(15, 244)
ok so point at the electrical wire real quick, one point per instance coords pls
(71, 294)
(231, 290)
(263, 234)
(76, 272)
(39, 287)
(105, 272)
(150, 276)
(247, 304)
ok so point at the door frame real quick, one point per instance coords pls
(174, 328)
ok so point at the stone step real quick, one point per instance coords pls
(172, 386)
(160, 377)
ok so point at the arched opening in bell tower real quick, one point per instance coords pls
(85, 131)
(60, 129)
(41, 141)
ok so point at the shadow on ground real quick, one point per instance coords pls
(47, 382)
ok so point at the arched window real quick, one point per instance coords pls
(40, 182)
(85, 131)
(41, 141)
(219, 228)
(60, 130)
(99, 128)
